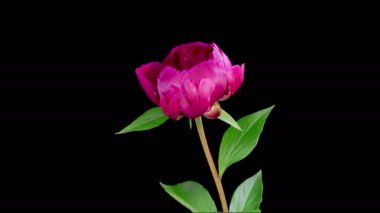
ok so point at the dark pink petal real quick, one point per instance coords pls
(235, 78)
(205, 89)
(220, 57)
(209, 70)
(188, 99)
(190, 91)
(188, 55)
(168, 78)
(170, 95)
(200, 100)
(238, 73)
(148, 74)
(169, 103)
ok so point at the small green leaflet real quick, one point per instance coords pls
(192, 195)
(224, 116)
(248, 195)
(148, 120)
(191, 123)
(236, 145)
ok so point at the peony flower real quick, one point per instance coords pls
(190, 80)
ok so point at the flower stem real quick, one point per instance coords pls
(211, 164)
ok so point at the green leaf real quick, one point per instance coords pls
(192, 195)
(248, 195)
(236, 145)
(149, 120)
(191, 123)
(224, 116)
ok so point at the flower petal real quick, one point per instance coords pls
(209, 70)
(190, 92)
(199, 101)
(188, 55)
(218, 55)
(205, 90)
(169, 103)
(147, 75)
(168, 78)
(235, 78)
(238, 74)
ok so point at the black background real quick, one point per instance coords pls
(67, 84)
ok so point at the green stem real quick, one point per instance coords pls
(211, 164)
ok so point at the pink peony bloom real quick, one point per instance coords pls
(191, 79)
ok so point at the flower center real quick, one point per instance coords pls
(185, 58)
